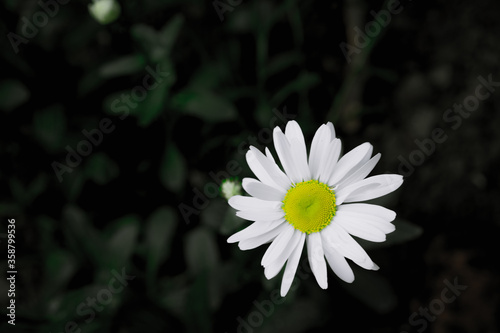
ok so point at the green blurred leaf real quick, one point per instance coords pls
(60, 266)
(300, 315)
(46, 227)
(121, 242)
(201, 250)
(12, 94)
(81, 235)
(373, 290)
(150, 108)
(73, 184)
(173, 168)
(170, 31)
(173, 294)
(26, 194)
(304, 81)
(212, 215)
(49, 126)
(158, 45)
(209, 76)
(145, 103)
(101, 169)
(126, 65)
(146, 36)
(160, 230)
(282, 62)
(204, 104)
(36, 187)
(231, 223)
(198, 318)
(17, 189)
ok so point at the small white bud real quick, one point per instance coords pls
(105, 11)
(230, 188)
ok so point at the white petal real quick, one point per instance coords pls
(369, 188)
(260, 215)
(291, 265)
(332, 129)
(255, 229)
(250, 203)
(284, 151)
(336, 237)
(368, 215)
(298, 149)
(254, 242)
(370, 221)
(329, 162)
(338, 264)
(358, 228)
(274, 267)
(317, 258)
(266, 171)
(269, 155)
(369, 209)
(277, 247)
(351, 160)
(361, 172)
(262, 191)
(319, 149)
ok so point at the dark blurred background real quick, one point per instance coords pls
(116, 135)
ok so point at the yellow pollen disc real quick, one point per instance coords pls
(309, 206)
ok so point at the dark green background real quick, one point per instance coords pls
(119, 208)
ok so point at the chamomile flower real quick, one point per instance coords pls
(314, 200)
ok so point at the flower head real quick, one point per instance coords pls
(313, 200)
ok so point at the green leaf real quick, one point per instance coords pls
(282, 62)
(17, 189)
(146, 36)
(121, 242)
(26, 194)
(153, 97)
(173, 294)
(80, 234)
(126, 65)
(211, 216)
(36, 187)
(73, 184)
(201, 250)
(303, 82)
(172, 169)
(60, 266)
(373, 290)
(209, 76)
(158, 45)
(204, 104)
(198, 318)
(231, 223)
(170, 31)
(49, 127)
(160, 230)
(101, 169)
(12, 94)
(151, 107)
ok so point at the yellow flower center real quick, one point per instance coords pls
(309, 206)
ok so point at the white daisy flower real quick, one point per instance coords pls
(312, 202)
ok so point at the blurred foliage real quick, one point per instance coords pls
(145, 113)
